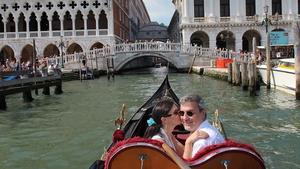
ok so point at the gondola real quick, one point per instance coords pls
(129, 150)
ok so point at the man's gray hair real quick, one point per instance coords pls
(194, 98)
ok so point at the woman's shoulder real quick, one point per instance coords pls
(157, 137)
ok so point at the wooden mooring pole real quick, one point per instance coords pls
(236, 73)
(252, 75)
(46, 91)
(245, 76)
(2, 102)
(244, 73)
(58, 88)
(27, 97)
(229, 68)
(296, 27)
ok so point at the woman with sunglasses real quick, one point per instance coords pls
(164, 119)
(193, 117)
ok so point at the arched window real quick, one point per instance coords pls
(33, 25)
(55, 21)
(91, 23)
(1, 24)
(10, 25)
(44, 22)
(250, 7)
(67, 21)
(276, 7)
(79, 22)
(22, 23)
(102, 20)
(224, 8)
(298, 6)
(199, 8)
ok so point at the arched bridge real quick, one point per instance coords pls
(179, 55)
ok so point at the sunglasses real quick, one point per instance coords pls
(175, 113)
(189, 113)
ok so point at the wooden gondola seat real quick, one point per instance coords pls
(230, 154)
(137, 153)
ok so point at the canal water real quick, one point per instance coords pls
(71, 130)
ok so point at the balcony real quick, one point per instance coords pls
(251, 18)
(56, 33)
(225, 19)
(199, 19)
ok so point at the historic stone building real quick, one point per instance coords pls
(138, 17)
(174, 28)
(64, 26)
(153, 32)
(232, 24)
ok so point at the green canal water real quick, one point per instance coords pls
(71, 130)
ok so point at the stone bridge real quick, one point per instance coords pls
(179, 55)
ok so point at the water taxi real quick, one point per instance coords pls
(282, 75)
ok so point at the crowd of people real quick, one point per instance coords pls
(43, 67)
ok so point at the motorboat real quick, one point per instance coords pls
(282, 75)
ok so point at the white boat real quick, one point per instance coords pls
(282, 75)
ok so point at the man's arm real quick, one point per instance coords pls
(188, 148)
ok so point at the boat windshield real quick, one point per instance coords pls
(286, 63)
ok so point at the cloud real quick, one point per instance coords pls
(160, 11)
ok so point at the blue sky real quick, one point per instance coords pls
(160, 11)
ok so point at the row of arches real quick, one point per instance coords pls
(20, 22)
(226, 39)
(49, 51)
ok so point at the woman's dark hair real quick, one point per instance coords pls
(161, 109)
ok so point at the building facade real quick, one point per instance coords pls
(61, 26)
(153, 32)
(233, 24)
(138, 17)
(174, 28)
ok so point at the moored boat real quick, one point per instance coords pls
(130, 150)
(282, 75)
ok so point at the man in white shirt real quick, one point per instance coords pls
(193, 117)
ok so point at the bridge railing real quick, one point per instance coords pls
(146, 46)
(108, 51)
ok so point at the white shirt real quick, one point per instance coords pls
(163, 136)
(215, 137)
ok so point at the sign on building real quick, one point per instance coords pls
(279, 38)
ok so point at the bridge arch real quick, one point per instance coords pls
(120, 64)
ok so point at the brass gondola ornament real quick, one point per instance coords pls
(217, 123)
(121, 119)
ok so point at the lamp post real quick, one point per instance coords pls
(267, 22)
(62, 45)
